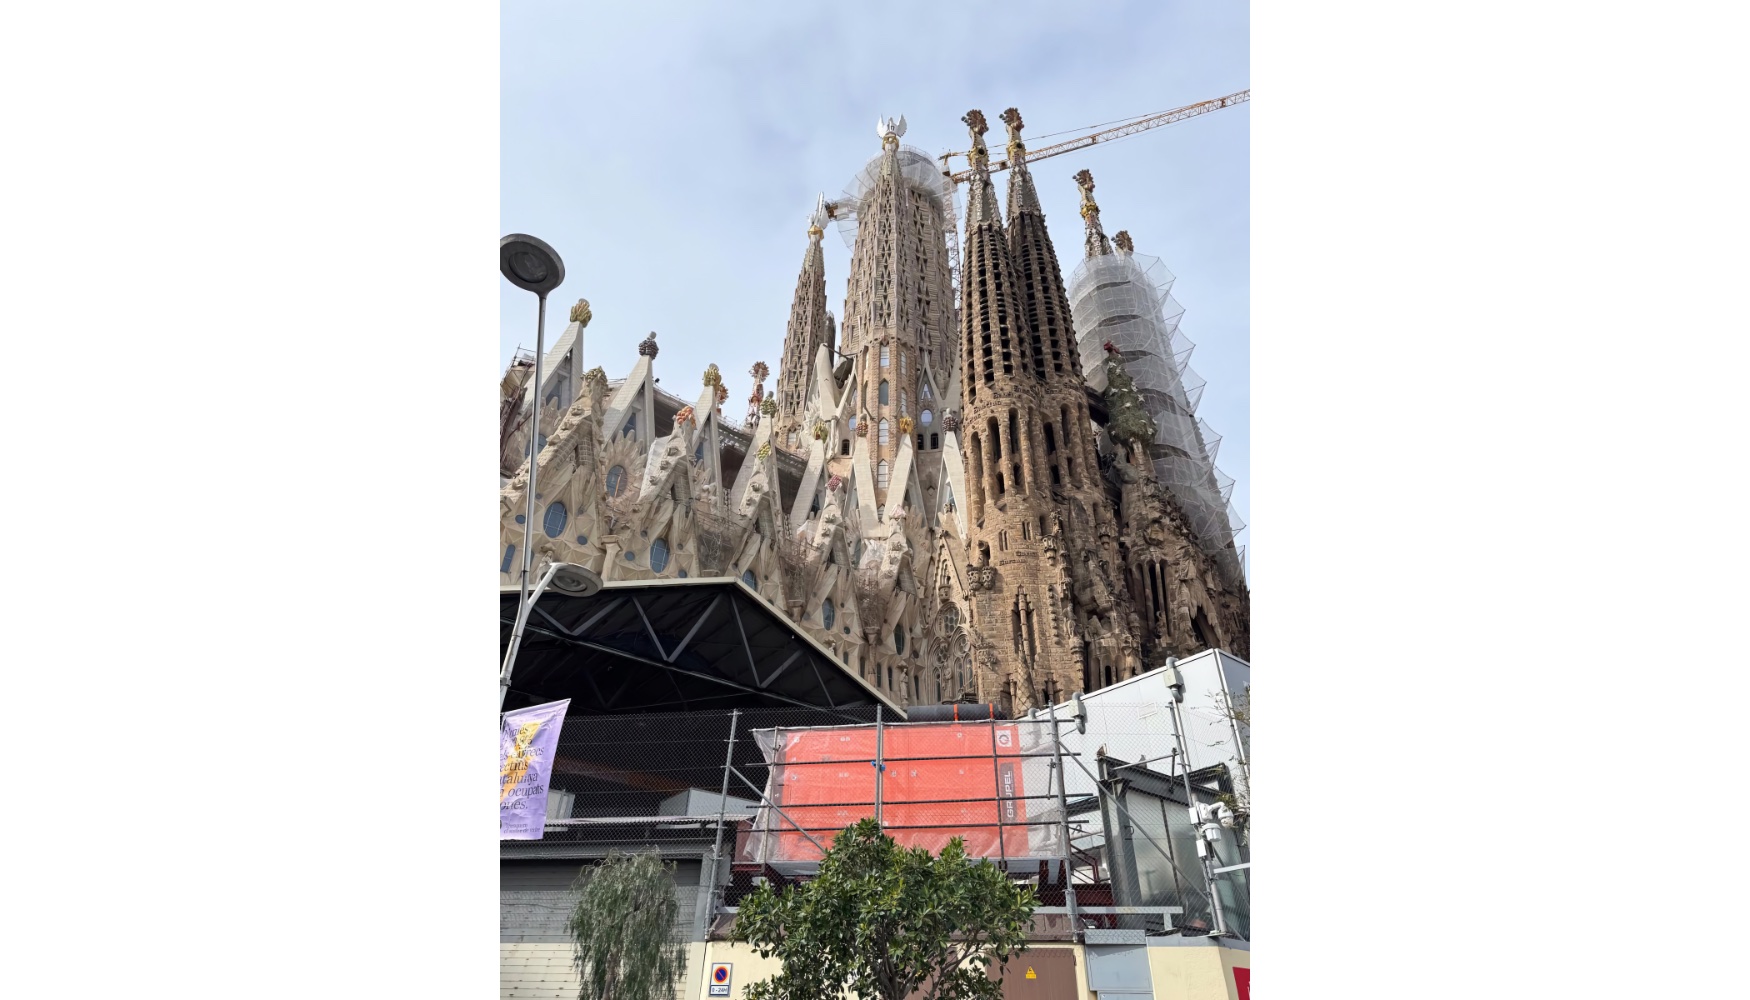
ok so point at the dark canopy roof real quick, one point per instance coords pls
(671, 645)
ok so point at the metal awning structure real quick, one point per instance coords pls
(672, 645)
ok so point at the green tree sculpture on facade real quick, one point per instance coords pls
(1129, 422)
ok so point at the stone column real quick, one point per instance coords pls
(993, 450)
(1085, 435)
(975, 476)
(1029, 463)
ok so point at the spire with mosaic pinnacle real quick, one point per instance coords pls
(1098, 245)
(1013, 427)
(1039, 281)
(1071, 454)
(995, 342)
(810, 326)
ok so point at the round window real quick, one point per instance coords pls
(926, 418)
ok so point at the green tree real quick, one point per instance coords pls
(623, 930)
(883, 922)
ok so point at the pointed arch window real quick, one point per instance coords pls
(616, 480)
(924, 392)
(903, 411)
(881, 474)
(881, 393)
(881, 433)
(884, 357)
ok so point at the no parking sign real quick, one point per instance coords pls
(720, 979)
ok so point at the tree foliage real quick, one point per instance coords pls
(883, 921)
(624, 943)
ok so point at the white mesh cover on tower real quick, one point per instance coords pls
(1126, 300)
(920, 173)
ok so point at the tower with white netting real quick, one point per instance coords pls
(1125, 299)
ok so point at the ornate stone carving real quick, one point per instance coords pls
(647, 346)
(580, 312)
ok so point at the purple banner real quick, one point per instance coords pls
(526, 740)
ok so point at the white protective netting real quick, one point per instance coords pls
(1126, 300)
(921, 173)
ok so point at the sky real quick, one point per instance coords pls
(671, 153)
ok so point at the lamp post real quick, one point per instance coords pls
(533, 266)
(567, 578)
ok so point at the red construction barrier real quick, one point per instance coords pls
(942, 781)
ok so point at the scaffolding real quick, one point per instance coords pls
(920, 172)
(1126, 300)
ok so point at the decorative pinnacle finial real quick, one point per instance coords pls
(890, 131)
(978, 154)
(1098, 244)
(1123, 241)
(1015, 149)
(580, 312)
(647, 346)
(713, 376)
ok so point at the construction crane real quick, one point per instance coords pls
(1109, 134)
(837, 210)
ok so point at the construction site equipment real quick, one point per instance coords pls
(1109, 134)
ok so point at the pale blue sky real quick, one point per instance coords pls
(671, 151)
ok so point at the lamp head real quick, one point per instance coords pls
(573, 580)
(530, 264)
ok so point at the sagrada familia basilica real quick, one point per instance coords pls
(1006, 498)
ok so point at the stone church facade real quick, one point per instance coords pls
(930, 489)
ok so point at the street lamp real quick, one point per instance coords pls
(567, 578)
(533, 266)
